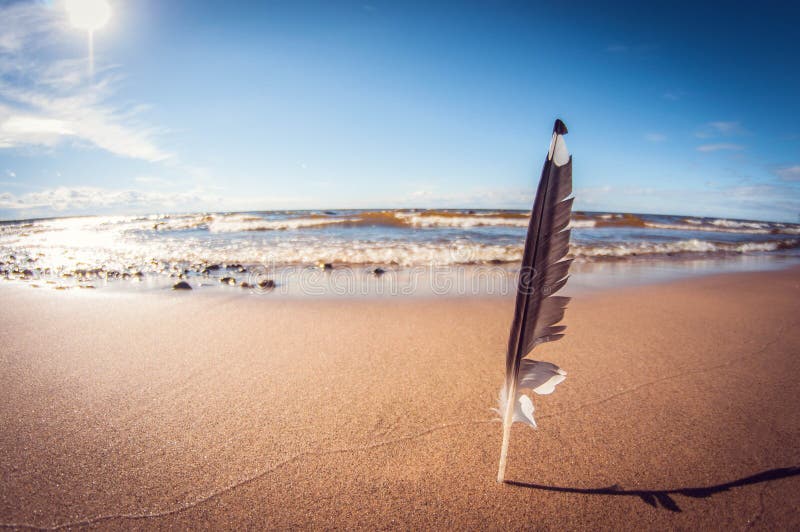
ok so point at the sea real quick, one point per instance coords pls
(369, 250)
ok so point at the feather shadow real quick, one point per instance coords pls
(664, 498)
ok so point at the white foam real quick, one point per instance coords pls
(237, 223)
(737, 224)
(582, 224)
(713, 229)
(461, 221)
(125, 243)
(682, 246)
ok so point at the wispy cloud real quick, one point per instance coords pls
(11, 173)
(673, 96)
(728, 128)
(52, 100)
(721, 146)
(789, 173)
(721, 128)
(655, 137)
(76, 199)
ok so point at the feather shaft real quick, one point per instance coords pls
(508, 420)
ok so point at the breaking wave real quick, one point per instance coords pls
(189, 244)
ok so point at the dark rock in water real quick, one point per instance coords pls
(495, 261)
(267, 284)
(245, 284)
(27, 274)
(378, 271)
(228, 280)
(327, 266)
(330, 213)
(211, 268)
(183, 285)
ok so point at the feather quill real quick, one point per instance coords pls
(537, 310)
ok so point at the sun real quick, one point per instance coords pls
(89, 15)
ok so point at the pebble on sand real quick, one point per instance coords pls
(267, 284)
(183, 285)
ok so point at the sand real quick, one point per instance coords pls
(189, 410)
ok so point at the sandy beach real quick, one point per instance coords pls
(175, 410)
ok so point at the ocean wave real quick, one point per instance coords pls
(390, 237)
(734, 224)
(690, 246)
(748, 228)
(107, 253)
(707, 228)
(582, 224)
(240, 223)
(433, 220)
(588, 220)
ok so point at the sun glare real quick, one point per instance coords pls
(88, 15)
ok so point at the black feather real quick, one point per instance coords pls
(543, 273)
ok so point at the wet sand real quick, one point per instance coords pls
(125, 410)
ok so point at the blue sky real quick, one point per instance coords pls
(672, 108)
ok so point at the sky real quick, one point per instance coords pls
(673, 107)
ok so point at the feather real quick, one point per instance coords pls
(537, 311)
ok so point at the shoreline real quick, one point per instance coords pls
(248, 412)
(461, 281)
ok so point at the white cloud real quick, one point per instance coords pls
(64, 201)
(78, 199)
(655, 137)
(53, 100)
(11, 173)
(24, 24)
(789, 173)
(720, 147)
(727, 128)
(721, 128)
